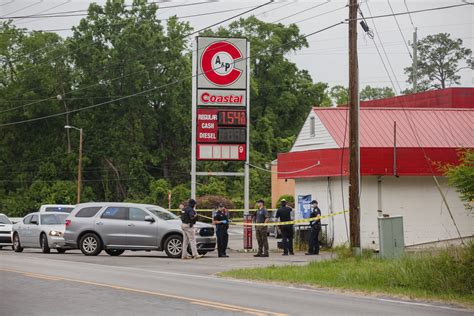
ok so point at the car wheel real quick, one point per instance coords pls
(1, 247)
(44, 244)
(114, 252)
(90, 244)
(174, 246)
(17, 244)
(60, 250)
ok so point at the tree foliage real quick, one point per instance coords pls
(440, 58)
(375, 93)
(462, 176)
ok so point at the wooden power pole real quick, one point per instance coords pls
(354, 172)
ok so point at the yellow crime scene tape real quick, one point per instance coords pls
(305, 220)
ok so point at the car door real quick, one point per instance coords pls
(112, 226)
(22, 230)
(34, 231)
(141, 233)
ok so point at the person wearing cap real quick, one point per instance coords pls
(261, 216)
(284, 214)
(221, 220)
(315, 228)
(188, 219)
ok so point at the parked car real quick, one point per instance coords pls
(116, 227)
(274, 230)
(5, 231)
(63, 208)
(40, 230)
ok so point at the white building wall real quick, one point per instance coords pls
(321, 139)
(417, 199)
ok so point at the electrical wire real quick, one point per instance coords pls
(409, 15)
(287, 172)
(302, 11)
(70, 13)
(140, 71)
(427, 159)
(399, 28)
(21, 9)
(415, 11)
(54, 7)
(321, 14)
(144, 91)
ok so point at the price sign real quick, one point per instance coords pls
(232, 118)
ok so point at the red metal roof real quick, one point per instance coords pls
(428, 128)
(444, 98)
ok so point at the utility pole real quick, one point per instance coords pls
(354, 172)
(79, 168)
(415, 61)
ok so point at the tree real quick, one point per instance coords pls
(439, 60)
(340, 95)
(374, 93)
(462, 176)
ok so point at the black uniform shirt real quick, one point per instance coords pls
(221, 216)
(284, 214)
(316, 212)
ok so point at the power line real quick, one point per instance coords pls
(232, 17)
(287, 172)
(415, 11)
(321, 14)
(144, 91)
(73, 12)
(21, 9)
(415, 134)
(54, 7)
(141, 71)
(409, 15)
(299, 12)
(399, 28)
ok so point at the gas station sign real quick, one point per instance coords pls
(221, 99)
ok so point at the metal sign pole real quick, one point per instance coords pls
(193, 121)
(247, 160)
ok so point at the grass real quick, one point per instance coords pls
(446, 275)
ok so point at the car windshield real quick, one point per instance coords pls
(53, 219)
(4, 219)
(163, 214)
(62, 209)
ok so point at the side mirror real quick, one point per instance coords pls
(34, 222)
(149, 218)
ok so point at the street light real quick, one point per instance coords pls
(79, 168)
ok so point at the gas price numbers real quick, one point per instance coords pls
(232, 118)
(232, 135)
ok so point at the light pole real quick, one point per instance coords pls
(79, 167)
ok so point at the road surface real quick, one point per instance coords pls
(139, 283)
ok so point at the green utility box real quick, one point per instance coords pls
(391, 238)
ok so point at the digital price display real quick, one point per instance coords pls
(232, 118)
(232, 135)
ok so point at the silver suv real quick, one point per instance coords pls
(116, 227)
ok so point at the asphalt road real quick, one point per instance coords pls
(138, 283)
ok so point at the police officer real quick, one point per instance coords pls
(261, 217)
(221, 220)
(315, 228)
(188, 219)
(284, 214)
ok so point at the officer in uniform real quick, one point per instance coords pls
(315, 228)
(284, 214)
(221, 220)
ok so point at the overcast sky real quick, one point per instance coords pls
(326, 58)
